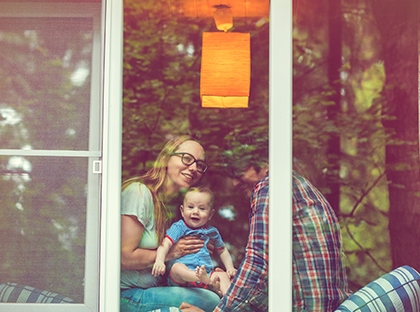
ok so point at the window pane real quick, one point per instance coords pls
(50, 136)
(43, 223)
(45, 91)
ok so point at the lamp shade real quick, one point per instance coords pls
(223, 18)
(240, 8)
(225, 70)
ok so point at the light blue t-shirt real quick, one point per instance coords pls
(137, 200)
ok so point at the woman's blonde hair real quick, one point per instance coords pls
(154, 179)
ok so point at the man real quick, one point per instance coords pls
(319, 279)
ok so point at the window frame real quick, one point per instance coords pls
(280, 156)
(110, 256)
(280, 148)
(92, 280)
(280, 125)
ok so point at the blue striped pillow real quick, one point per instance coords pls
(17, 293)
(398, 290)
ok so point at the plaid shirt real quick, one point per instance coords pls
(248, 291)
(319, 276)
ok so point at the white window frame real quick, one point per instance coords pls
(93, 154)
(280, 124)
(109, 294)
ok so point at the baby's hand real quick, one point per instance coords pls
(158, 268)
(231, 272)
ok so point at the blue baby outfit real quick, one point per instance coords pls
(202, 257)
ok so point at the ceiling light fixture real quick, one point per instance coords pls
(223, 17)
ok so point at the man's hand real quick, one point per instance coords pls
(186, 307)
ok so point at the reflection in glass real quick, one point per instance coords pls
(45, 89)
(43, 223)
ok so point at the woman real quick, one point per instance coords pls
(144, 219)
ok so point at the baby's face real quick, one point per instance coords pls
(196, 209)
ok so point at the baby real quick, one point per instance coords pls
(196, 270)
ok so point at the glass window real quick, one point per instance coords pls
(43, 222)
(50, 139)
(62, 164)
(46, 72)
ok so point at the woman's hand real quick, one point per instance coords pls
(186, 307)
(186, 245)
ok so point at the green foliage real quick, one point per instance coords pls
(162, 55)
(364, 205)
(43, 218)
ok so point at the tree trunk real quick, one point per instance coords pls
(334, 67)
(397, 21)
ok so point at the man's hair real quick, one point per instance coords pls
(245, 150)
(202, 189)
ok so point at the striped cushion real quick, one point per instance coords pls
(398, 290)
(16, 293)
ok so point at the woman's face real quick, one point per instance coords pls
(181, 175)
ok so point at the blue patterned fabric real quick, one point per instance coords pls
(171, 309)
(16, 293)
(397, 291)
(180, 229)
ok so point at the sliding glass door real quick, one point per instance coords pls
(50, 152)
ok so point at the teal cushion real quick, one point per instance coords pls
(17, 293)
(398, 290)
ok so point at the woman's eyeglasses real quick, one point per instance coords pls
(188, 159)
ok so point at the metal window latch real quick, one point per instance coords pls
(97, 166)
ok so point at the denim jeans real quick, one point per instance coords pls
(143, 300)
(257, 303)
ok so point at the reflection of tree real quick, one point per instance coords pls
(43, 198)
(377, 125)
(162, 55)
(398, 26)
(39, 85)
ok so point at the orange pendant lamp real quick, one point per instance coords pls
(205, 8)
(225, 70)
